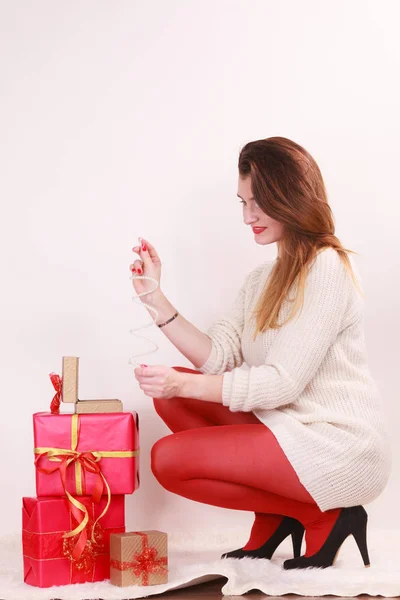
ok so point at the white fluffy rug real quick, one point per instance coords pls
(195, 558)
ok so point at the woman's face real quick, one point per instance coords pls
(255, 217)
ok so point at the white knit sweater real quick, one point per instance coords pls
(309, 382)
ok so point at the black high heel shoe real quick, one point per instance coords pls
(288, 526)
(351, 521)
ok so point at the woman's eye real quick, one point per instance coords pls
(243, 202)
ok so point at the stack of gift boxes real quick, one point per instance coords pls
(73, 531)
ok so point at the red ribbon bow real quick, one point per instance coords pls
(57, 384)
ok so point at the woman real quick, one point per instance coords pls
(301, 438)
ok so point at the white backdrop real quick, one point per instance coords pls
(123, 119)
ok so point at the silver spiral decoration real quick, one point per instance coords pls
(153, 322)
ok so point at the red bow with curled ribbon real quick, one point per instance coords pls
(143, 562)
(57, 384)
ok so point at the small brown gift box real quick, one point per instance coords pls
(70, 367)
(98, 406)
(139, 558)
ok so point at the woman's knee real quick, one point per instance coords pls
(160, 459)
(160, 404)
(167, 406)
(156, 461)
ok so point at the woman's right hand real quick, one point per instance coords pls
(150, 265)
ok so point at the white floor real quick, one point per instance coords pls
(194, 559)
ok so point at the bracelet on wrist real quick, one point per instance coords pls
(169, 320)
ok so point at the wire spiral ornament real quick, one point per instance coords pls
(131, 360)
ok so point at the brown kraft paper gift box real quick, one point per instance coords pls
(139, 558)
(98, 406)
(70, 367)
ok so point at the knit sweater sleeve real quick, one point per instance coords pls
(226, 333)
(300, 344)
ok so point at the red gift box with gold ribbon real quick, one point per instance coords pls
(86, 454)
(54, 554)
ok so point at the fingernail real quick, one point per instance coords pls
(143, 365)
(140, 271)
(144, 247)
(133, 269)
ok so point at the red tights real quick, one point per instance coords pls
(237, 465)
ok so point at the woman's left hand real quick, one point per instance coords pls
(160, 381)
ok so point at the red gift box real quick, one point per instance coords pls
(89, 454)
(48, 554)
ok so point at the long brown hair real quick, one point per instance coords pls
(288, 186)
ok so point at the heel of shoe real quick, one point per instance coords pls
(360, 536)
(359, 531)
(297, 540)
